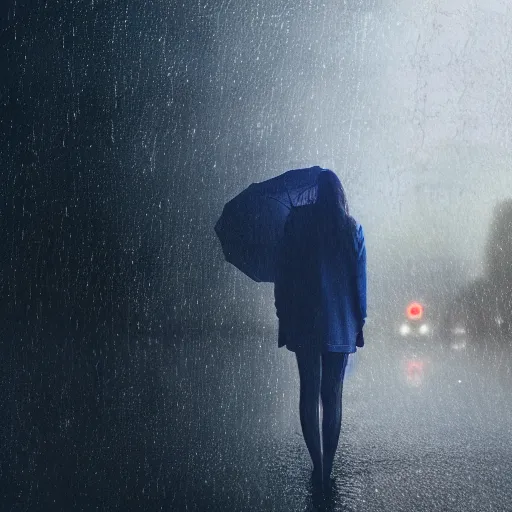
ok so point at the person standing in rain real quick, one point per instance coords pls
(320, 300)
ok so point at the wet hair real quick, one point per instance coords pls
(330, 192)
(335, 227)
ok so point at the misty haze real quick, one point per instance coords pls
(140, 370)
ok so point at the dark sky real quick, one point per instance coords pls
(126, 128)
(104, 158)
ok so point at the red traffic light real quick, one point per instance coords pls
(414, 311)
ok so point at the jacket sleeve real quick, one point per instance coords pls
(361, 272)
(278, 281)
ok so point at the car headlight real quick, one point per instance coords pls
(424, 329)
(405, 329)
(460, 345)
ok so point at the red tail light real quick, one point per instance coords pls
(414, 311)
(415, 368)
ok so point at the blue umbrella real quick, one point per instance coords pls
(252, 223)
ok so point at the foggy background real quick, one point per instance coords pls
(126, 127)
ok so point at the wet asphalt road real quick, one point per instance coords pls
(441, 443)
(211, 423)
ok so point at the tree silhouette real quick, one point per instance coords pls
(499, 245)
(499, 263)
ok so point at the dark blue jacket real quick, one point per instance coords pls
(320, 286)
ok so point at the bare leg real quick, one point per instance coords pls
(333, 370)
(309, 364)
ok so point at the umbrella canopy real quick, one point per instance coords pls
(252, 223)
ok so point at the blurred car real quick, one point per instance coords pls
(420, 291)
(478, 316)
(415, 330)
(415, 325)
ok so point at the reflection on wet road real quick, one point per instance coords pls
(443, 445)
(211, 423)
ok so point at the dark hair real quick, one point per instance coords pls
(335, 227)
(330, 193)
